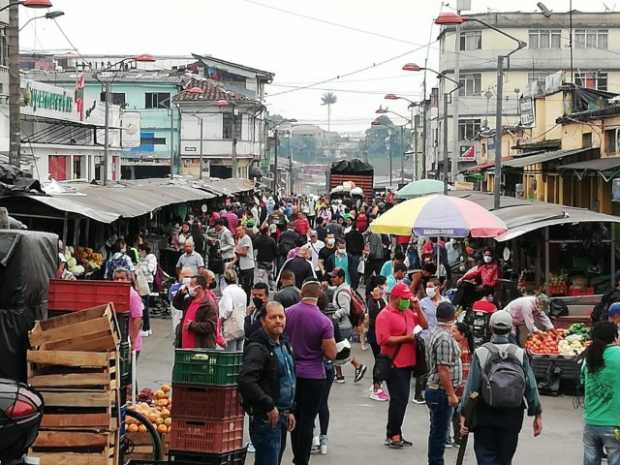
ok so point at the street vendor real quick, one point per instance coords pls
(487, 273)
(528, 316)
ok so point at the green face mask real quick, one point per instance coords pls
(404, 304)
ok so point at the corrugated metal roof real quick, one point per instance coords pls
(522, 216)
(542, 158)
(600, 164)
(129, 199)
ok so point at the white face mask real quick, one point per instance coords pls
(186, 281)
(193, 291)
(431, 292)
(342, 251)
(487, 259)
(330, 242)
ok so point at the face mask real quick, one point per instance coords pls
(342, 251)
(257, 302)
(193, 291)
(487, 259)
(186, 281)
(431, 291)
(404, 304)
(330, 242)
(347, 230)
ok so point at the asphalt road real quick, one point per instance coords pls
(357, 425)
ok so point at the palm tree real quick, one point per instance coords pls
(329, 99)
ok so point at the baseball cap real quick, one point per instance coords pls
(337, 272)
(501, 320)
(614, 309)
(445, 311)
(401, 291)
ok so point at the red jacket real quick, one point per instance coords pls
(488, 274)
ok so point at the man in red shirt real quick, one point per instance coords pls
(486, 273)
(394, 330)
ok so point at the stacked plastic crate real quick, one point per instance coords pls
(207, 418)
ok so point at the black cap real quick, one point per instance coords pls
(337, 272)
(445, 311)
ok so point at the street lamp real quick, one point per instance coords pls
(276, 135)
(48, 15)
(412, 67)
(452, 19)
(414, 127)
(383, 111)
(14, 74)
(144, 58)
(446, 97)
(376, 123)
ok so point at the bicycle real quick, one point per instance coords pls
(128, 447)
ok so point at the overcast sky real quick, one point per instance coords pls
(299, 50)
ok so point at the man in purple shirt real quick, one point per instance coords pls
(311, 335)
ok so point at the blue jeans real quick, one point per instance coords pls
(234, 345)
(269, 442)
(440, 414)
(595, 438)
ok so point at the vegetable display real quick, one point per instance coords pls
(568, 343)
(156, 407)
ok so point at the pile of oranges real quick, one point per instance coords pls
(157, 410)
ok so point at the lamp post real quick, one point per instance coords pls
(446, 96)
(414, 128)
(48, 15)
(223, 103)
(276, 135)
(415, 68)
(452, 19)
(144, 58)
(376, 124)
(382, 111)
(14, 77)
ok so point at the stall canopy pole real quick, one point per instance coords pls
(612, 248)
(547, 254)
(65, 228)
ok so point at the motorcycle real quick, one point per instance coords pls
(21, 411)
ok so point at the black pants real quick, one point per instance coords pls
(398, 382)
(246, 281)
(146, 317)
(355, 276)
(373, 265)
(308, 400)
(376, 350)
(495, 446)
(324, 406)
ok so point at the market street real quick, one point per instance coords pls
(357, 423)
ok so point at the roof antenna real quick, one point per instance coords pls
(545, 11)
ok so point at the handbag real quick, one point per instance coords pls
(232, 328)
(421, 365)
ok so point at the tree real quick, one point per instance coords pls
(329, 99)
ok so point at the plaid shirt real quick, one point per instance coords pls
(444, 350)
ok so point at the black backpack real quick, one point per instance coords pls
(503, 380)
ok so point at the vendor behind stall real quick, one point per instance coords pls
(528, 316)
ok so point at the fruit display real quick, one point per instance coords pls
(156, 407)
(89, 258)
(559, 341)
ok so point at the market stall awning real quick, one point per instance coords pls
(545, 157)
(522, 216)
(608, 168)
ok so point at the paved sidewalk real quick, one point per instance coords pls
(357, 425)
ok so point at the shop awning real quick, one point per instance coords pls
(130, 199)
(608, 168)
(544, 157)
(522, 216)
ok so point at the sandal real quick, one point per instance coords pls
(392, 444)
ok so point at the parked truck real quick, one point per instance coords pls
(357, 172)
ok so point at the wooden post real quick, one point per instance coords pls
(612, 247)
(65, 229)
(547, 265)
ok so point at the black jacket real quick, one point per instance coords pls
(288, 296)
(259, 378)
(301, 268)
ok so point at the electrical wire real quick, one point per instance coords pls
(351, 91)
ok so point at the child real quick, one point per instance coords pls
(463, 337)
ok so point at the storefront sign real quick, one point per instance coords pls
(526, 111)
(468, 153)
(43, 97)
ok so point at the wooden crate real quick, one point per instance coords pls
(142, 445)
(90, 330)
(62, 447)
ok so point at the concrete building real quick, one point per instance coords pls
(541, 67)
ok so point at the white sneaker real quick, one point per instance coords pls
(251, 449)
(323, 442)
(144, 333)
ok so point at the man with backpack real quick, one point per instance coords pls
(350, 310)
(503, 378)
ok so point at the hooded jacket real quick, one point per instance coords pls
(259, 378)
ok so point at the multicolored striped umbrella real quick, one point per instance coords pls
(420, 187)
(439, 215)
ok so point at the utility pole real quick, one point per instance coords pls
(290, 163)
(234, 143)
(445, 141)
(424, 124)
(402, 154)
(389, 147)
(498, 132)
(172, 141)
(201, 154)
(14, 85)
(275, 162)
(106, 133)
(456, 151)
(415, 145)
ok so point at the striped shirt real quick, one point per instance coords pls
(444, 350)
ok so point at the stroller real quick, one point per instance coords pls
(161, 299)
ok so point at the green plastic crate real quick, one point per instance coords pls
(208, 367)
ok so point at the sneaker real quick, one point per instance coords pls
(380, 396)
(251, 449)
(359, 373)
(144, 333)
(340, 379)
(323, 445)
(418, 401)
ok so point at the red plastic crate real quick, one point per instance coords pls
(214, 437)
(579, 291)
(202, 403)
(82, 294)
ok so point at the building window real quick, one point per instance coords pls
(148, 138)
(586, 140)
(4, 48)
(592, 80)
(471, 40)
(469, 129)
(591, 38)
(227, 132)
(470, 85)
(611, 140)
(156, 100)
(116, 98)
(545, 38)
